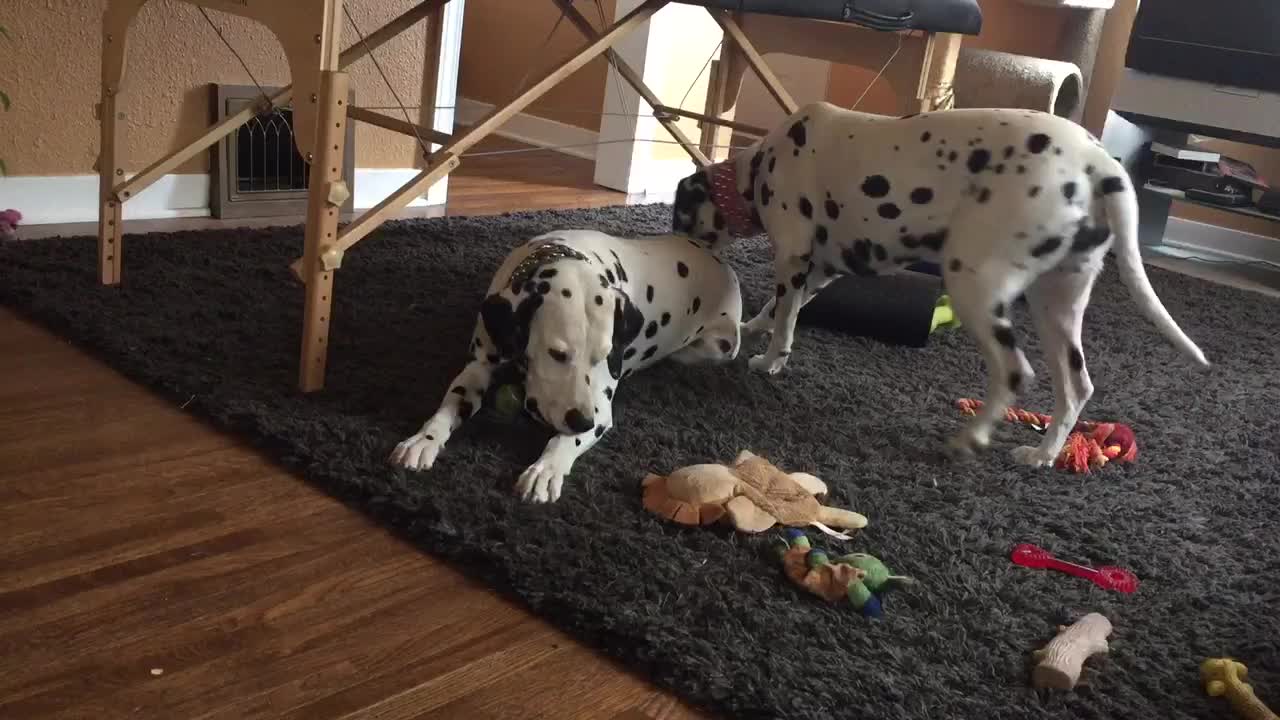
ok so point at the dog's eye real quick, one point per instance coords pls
(558, 355)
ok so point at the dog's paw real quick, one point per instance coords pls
(1031, 456)
(768, 363)
(418, 452)
(541, 481)
(965, 445)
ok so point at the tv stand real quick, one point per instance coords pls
(1148, 107)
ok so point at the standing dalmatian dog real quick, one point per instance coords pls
(1007, 202)
(568, 315)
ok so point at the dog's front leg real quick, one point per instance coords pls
(792, 274)
(464, 398)
(542, 481)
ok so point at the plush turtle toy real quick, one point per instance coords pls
(857, 576)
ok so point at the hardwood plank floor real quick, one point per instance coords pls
(155, 568)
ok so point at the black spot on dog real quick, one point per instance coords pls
(1034, 191)
(938, 153)
(548, 273)
(682, 270)
(608, 393)
(599, 300)
(1015, 381)
(1057, 151)
(830, 270)
(984, 195)
(509, 327)
(1047, 246)
(697, 303)
(604, 282)
(1075, 359)
(820, 234)
(1069, 190)
(876, 186)
(998, 310)
(718, 221)
(909, 241)
(922, 196)
(600, 430)
(978, 160)
(934, 240)
(881, 253)
(832, 207)
(1000, 169)
(806, 207)
(755, 218)
(781, 290)
(765, 194)
(1022, 169)
(1111, 185)
(953, 156)
(1037, 143)
(797, 280)
(648, 294)
(956, 265)
(924, 137)
(466, 409)
(665, 319)
(756, 160)
(1004, 336)
(651, 329)
(1089, 169)
(649, 353)
(724, 345)
(459, 390)
(888, 211)
(609, 274)
(565, 292)
(544, 287)
(628, 321)
(1008, 152)
(772, 162)
(630, 353)
(1087, 238)
(797, 134)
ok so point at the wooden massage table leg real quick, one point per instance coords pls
(327, 194)
(116, 18)
(938, 74)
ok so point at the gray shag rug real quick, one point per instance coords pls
(211, 319)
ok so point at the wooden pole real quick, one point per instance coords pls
(937, 78)
(733, 31)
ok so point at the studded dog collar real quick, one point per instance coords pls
(729, 201)
(546, 252)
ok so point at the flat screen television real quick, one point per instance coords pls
(1223, 42)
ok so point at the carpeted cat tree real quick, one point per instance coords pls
(989, 78)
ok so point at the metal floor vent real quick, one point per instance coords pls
(256, 171)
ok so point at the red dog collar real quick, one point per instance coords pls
(728, 199)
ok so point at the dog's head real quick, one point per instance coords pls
(694, 213)
(560, 328)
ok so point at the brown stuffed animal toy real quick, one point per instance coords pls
(752, 493)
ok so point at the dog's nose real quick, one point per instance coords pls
(577, 422)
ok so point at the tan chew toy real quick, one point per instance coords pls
(1062, 660)
(1224, 676)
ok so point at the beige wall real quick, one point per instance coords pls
(173, 56)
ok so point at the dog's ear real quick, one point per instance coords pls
(628, 321)
(508, 327)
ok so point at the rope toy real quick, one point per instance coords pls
(1090, 444)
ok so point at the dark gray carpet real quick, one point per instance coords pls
(213, 317)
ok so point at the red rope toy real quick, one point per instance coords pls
(1090, 444)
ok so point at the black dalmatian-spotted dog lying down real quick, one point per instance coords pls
(1006, 201)
(571, 313)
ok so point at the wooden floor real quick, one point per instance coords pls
(154, 568)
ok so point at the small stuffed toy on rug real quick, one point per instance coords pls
(9, 220)
(857, 576)
(752, 494)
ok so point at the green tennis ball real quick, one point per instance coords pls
(508, 401)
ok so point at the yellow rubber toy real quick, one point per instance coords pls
(1224, 676)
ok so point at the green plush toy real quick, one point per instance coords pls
(859, 577)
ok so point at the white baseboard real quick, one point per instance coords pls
(48, 199)
(533, 130)
(1220, 243)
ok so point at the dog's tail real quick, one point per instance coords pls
(1120, 200)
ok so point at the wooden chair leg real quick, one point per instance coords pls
(937, 75)
(327, 193)
(723, 91)
(110, 211)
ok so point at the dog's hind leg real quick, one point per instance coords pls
(542, 481)
(763, 320)
(980, 298)
(465, 396)
(1057, 301)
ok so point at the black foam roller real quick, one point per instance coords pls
(896, 309)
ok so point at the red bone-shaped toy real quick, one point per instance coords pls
(1105, 577)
